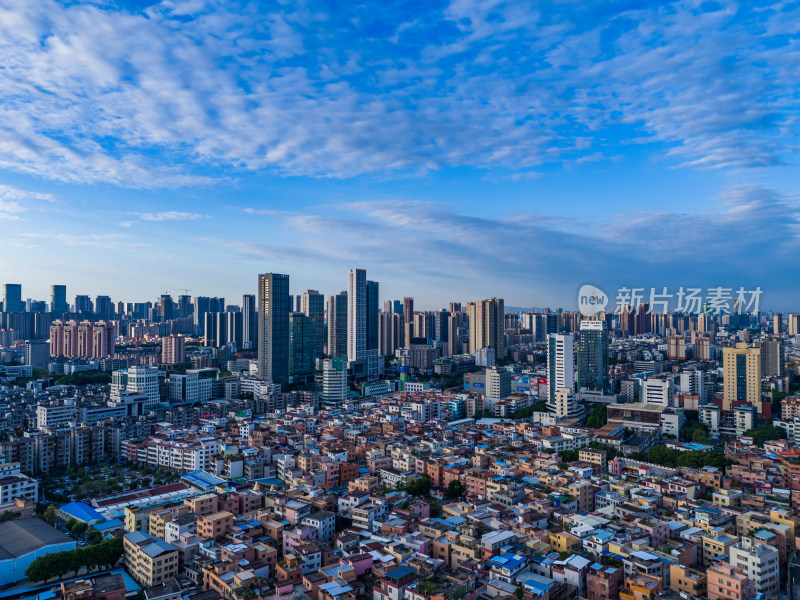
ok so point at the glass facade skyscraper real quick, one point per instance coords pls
(593, 357)
(273, 327)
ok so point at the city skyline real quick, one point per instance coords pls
(457, 150)
(678, 300)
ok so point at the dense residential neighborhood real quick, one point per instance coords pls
(462, 454)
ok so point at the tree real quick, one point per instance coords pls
(58, 564)
(599, 416)
(421, 486)
(568, 456)
(80, 528)
(700, 437)
(7, 516)
(765, 433)
(70, 524)
(94, 536)
(51, 515)
(519, 592)
(455, 489)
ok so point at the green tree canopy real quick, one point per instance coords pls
(765, 433)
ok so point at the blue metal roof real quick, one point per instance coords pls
(82, 512)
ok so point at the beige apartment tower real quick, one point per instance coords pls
(742, 371)
(486, 326)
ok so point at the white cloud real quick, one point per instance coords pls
(517, 254)
(171, 215)
(11, 199)
(96, 93)
(109, 241)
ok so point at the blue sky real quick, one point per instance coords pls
(457, 150)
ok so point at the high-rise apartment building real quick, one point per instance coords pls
(249, 322)
(361, 320)
(337, 324)
(312, 304)
(356, 314)
(173, 350)
(82, 339)
(742, 376)
(273, 327)
(560, 364)
(793, 324)
(58, 299)
(676, 347)
(777, 324)
(593, 357)
(12, 298)
(772, 361)
(213, 335)
(486, 326)
(202, 305)
(234, 328)
(702, 347)
(425, 325)
(408, 309)
(390, 333)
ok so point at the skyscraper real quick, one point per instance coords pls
(356, 314)
(273, 327)
(83, 305)
(234, 327)
(12, 298)
(372, 315)
(362, 321)
(593, 357)
(202, 305)
(184, 306)
(210, 329)
(249, 322)
(103, 307)
(302, 345)
(312, 304)
(560, 364)
(337, 324)
(58, 299)
(166, 307)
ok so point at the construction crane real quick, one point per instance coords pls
(169, 292)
